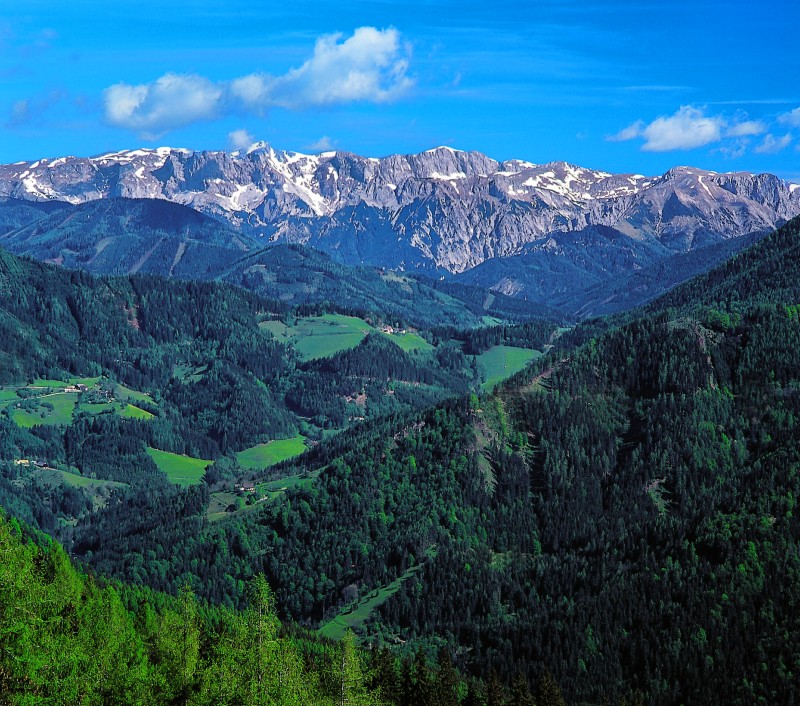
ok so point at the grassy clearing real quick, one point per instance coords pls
(323, 336)
(99, 491)
(55, 476)
(180, 470)
(130, 411)
(265, 492)
(409, 341)
(404, 282)
(320, 336)
(89, 382)
(126, 393)
(501, 362)
(354, 616)
(218, 505)
(189, 373)
(275, 488)
(96, 408)
(278, 329)
(55, 408)
(47, 393)
(265, 455)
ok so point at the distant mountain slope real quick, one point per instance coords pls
(565, 264)
(127, 236)
(299, 275)
(441, 211)
(769, 271)
(766, 273)
(597, 270)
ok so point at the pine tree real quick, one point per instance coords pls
(446, 687)
(474, 695)
(350, 679)
(385, 679)
(262, 632)
(177, 647)
(423, 683)
(494, 691)
(547, 692)
(520, 692)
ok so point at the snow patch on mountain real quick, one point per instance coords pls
(440, 210)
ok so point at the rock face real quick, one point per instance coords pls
(441, 211)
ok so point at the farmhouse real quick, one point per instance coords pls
(79, 387)
(245, 487)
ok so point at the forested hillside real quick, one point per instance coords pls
(67, 639)
(621, 515)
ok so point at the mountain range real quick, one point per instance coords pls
(621, 513)
(557, 235)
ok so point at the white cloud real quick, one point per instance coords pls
(170, 102)
(323, 144)
(735, 149)
(772, 145)
(631, 132)
(791, 118)
(690, 127)
(240, 139)
(252, 91)
(685, 130)
(371, 65)
(746, 129)
(20, 113)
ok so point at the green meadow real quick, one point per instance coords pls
(409, 341)
(320, 336)
(326, 335)
(54, 408)
(89, 382)
(180, 470)
(323, 336)
(130, 411)
(44, 402)
(9, 395)
(126, 393)
(264, 455)
(501, 362)
(275, 488)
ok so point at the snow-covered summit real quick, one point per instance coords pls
(439, 209)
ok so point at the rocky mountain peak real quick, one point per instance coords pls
(442, 210)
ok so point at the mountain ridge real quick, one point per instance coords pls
(442, 211)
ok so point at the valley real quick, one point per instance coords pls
(498, 487)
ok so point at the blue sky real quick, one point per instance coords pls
(623, 86)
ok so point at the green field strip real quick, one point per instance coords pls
(126, 393)
(501, 362)
(56, 476)
(409, 341)
(265, 455)
(320, 336)
(133, 412)
(180, 470)
(353, 617)
(96, 408)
